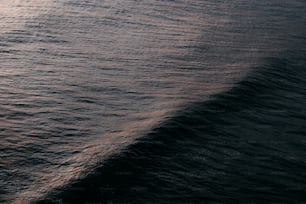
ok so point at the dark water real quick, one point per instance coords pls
(152, 101)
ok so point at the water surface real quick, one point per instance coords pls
(82, 80)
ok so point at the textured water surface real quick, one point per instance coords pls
(152, 101)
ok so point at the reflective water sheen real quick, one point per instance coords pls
(81, 80)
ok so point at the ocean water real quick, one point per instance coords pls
(127, 101)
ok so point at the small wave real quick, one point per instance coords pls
(243, 145)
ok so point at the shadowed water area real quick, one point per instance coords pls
(152, 101)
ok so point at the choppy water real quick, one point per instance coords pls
(152, 101)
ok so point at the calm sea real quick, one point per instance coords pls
(170, 101)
